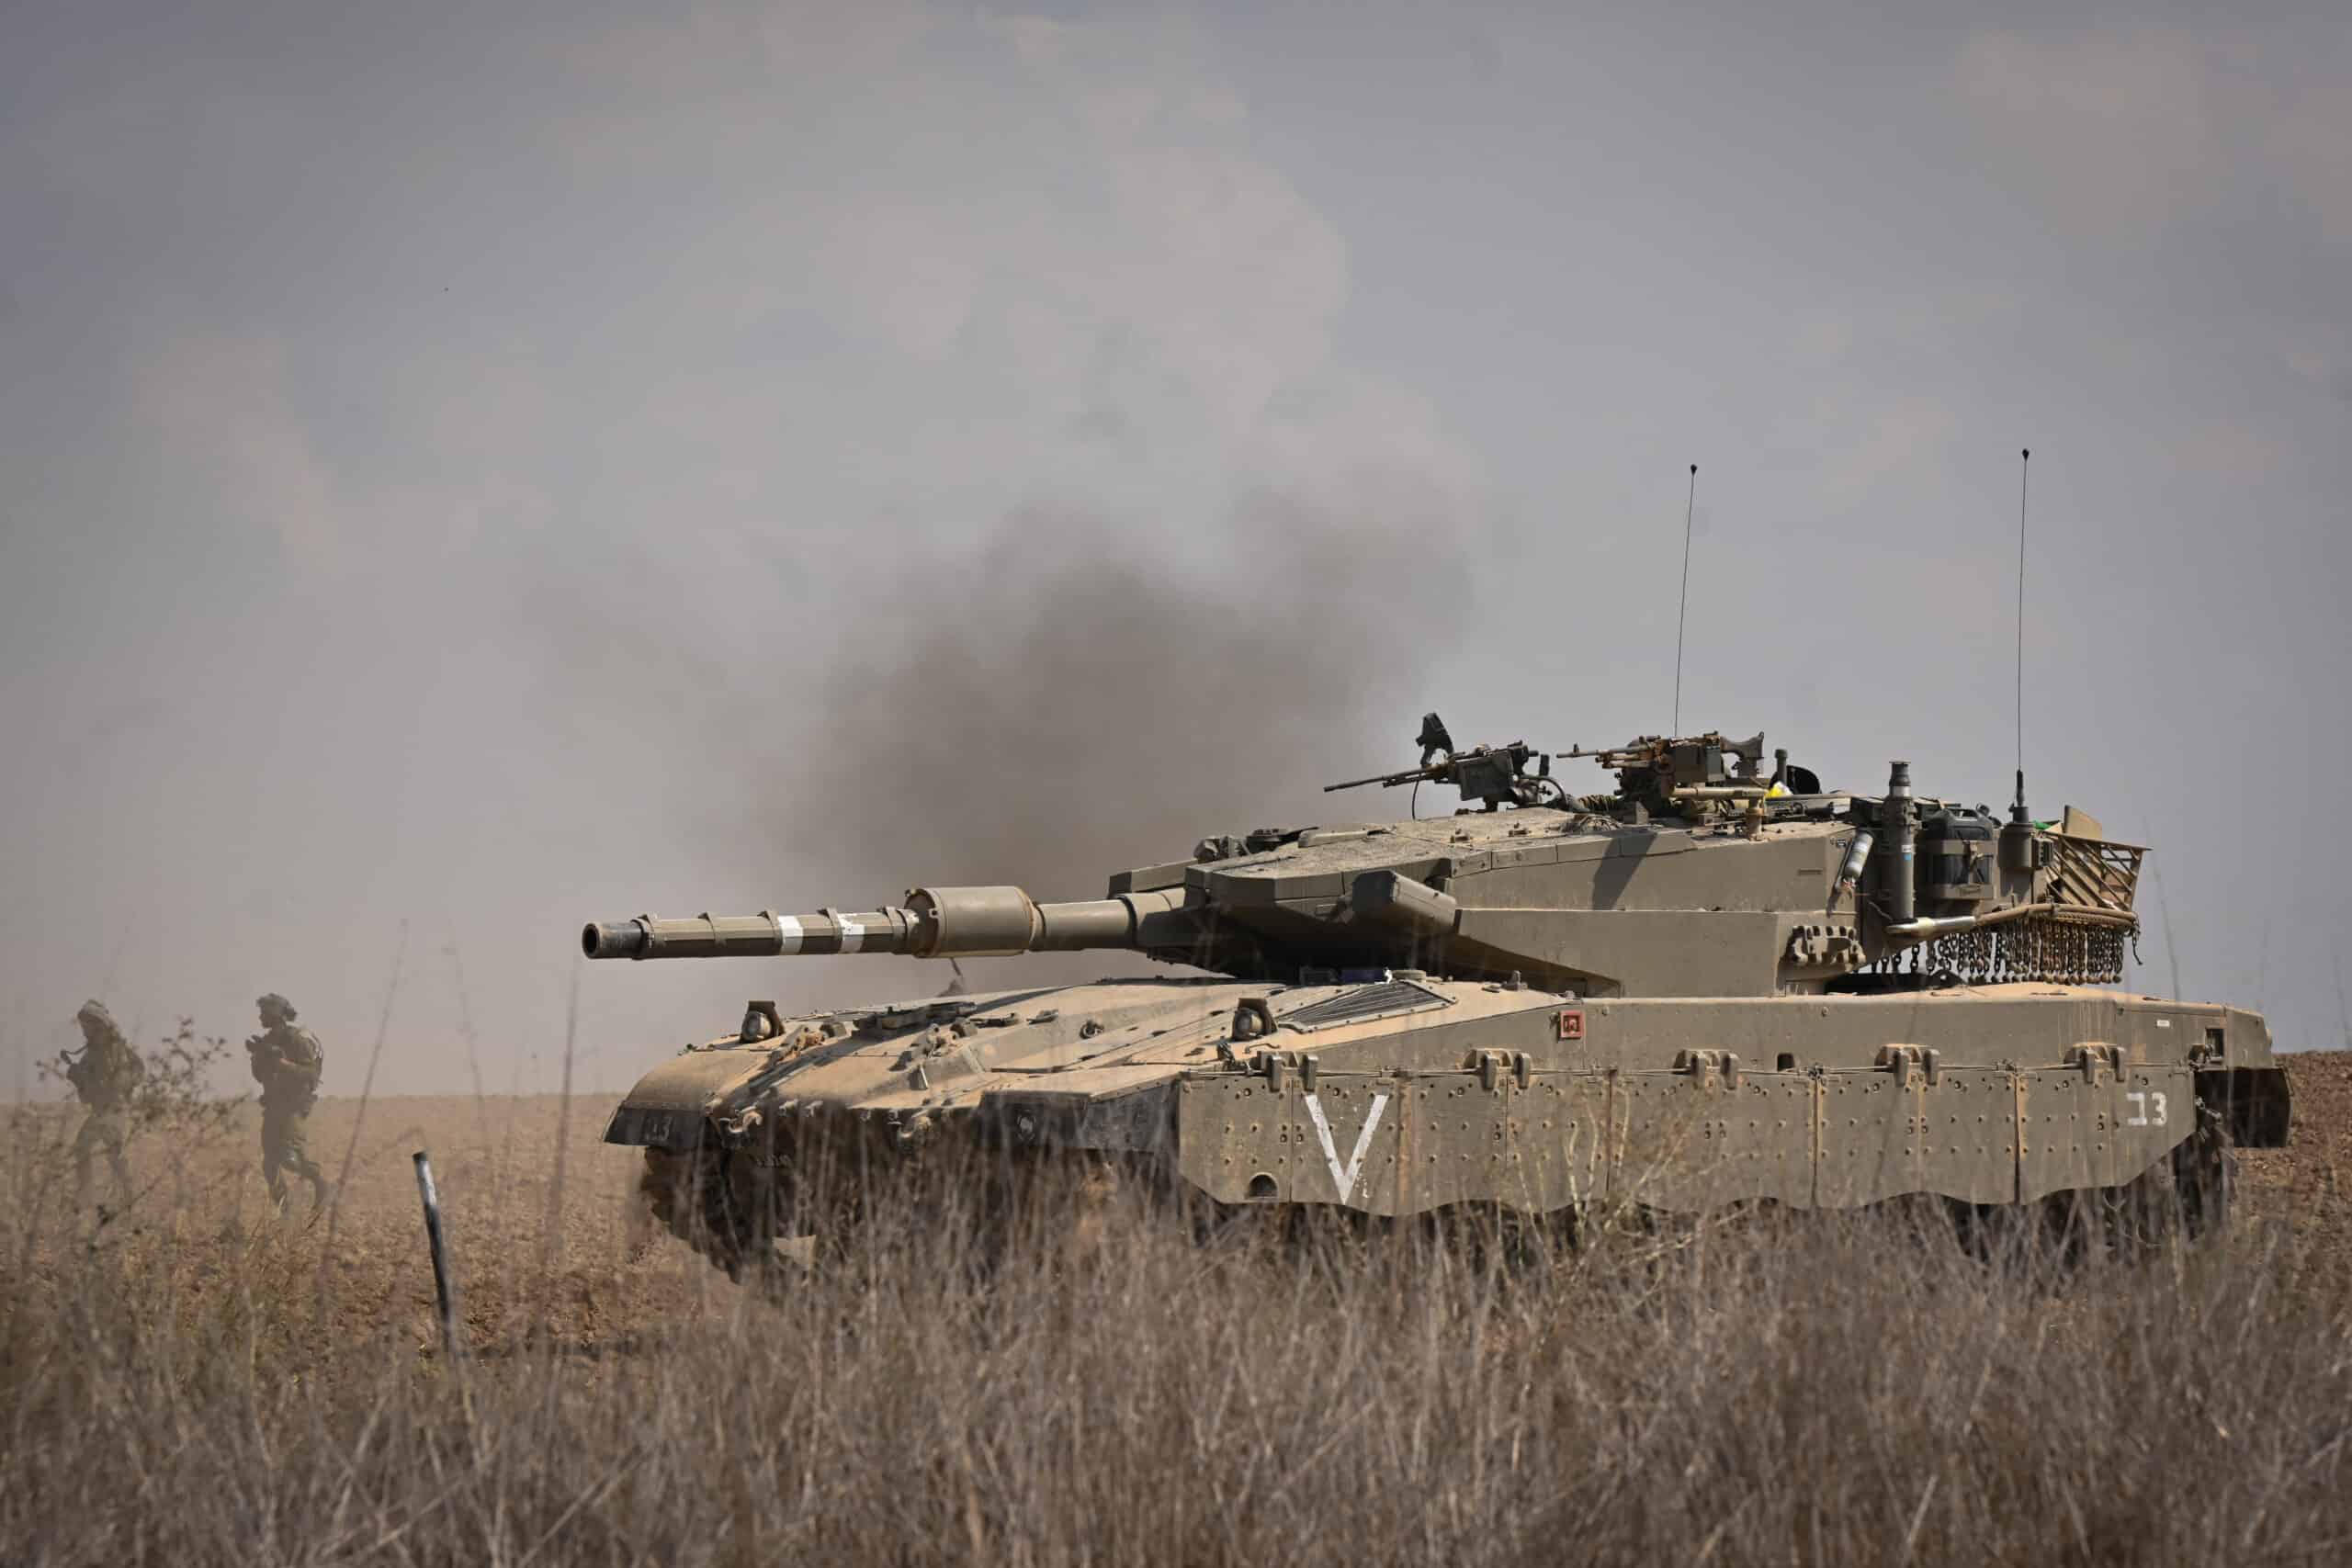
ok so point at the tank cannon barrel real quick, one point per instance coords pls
(934, 922)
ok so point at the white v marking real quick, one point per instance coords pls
(1344, 1176)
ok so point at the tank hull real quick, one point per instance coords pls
(1397, 1095)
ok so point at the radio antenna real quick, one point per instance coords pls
(2025, 463)
(1683, 609)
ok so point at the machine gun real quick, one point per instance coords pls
(1492, 774)
(1699, 772)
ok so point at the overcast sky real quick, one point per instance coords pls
(483, 468)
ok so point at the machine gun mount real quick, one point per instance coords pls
(1494, 775)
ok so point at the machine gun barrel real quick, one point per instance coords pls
(934, 922)
(1435, 773)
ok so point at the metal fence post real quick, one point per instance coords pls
(444, 1292)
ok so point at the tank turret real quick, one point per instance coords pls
(1700, 875)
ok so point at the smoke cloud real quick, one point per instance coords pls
(1063, 699)
(1068, 702)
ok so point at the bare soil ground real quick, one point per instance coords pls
(193, 1381)
(2305, 1188)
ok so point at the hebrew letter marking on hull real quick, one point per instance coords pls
(1344, 1176)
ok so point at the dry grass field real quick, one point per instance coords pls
(188, 1381)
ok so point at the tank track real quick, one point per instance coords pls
(2205, 1176)
(740, 1212)
(699, 1197)
(2186, 1195)
(730, 1209)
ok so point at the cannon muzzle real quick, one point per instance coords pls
(934, 922)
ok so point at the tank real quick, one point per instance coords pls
(1709, 985)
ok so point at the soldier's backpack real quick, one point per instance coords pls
(305, 1059)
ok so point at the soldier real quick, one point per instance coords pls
(103, 1076)
(287, 1063)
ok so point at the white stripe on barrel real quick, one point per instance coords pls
(788, 933)
(852, 935)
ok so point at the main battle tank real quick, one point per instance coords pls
(1709, 985)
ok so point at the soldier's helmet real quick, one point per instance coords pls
(95, 1012)
(276, 1008)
